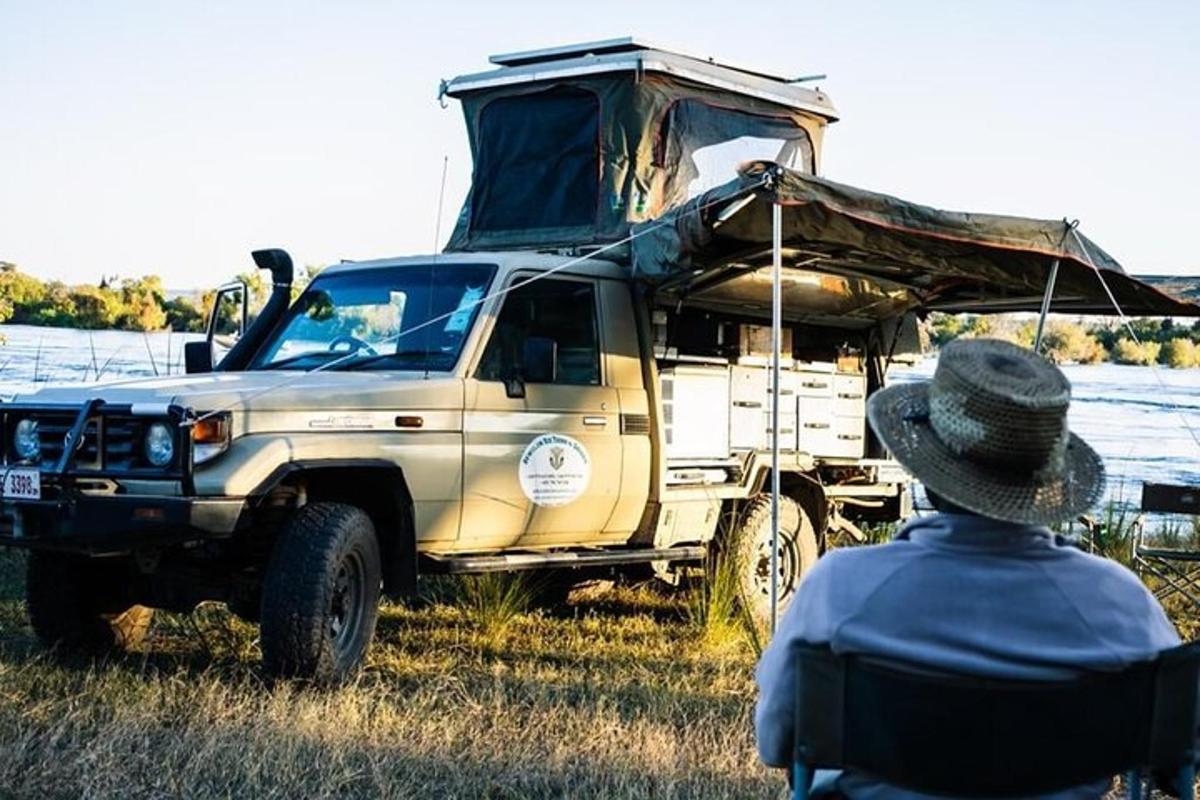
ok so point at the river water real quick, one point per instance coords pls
(1138, 418)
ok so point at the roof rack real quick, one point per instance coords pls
(623, 44)
(633, 54)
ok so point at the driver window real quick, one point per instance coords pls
(562, 310)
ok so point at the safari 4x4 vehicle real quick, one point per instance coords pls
(579, 383)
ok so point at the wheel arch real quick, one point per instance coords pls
(802, 487)
(376, 486)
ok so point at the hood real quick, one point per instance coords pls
(267, 391)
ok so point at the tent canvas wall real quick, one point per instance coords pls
(572, 146)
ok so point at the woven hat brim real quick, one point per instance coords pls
(899, 416)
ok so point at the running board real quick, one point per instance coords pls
(458, 565)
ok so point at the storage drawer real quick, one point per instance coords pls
(746, 430)
(850, 387)
(748, 387)
(849, 438)
(814, 429)
(787, 430)
(814, 384)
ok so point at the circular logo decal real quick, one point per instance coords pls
(554, 470)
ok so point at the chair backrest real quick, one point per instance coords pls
(1169, 498)
(965, 736)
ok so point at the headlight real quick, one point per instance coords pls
(210, 437)
(27, 444)
(160, 444)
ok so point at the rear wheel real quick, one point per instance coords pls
(320, 597)
(751, 549)
(77, 603)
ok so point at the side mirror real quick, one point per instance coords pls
(197, 357)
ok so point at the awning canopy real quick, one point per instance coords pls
(853, 257)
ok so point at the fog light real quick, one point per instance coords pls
(159, 445)
(27, 443)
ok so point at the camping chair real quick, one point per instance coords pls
(967, 737)
(1177, 568)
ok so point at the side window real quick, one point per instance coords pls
(563, 311)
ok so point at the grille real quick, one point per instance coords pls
(110, 442)
(122, 436)
(53, 429)
(639, 424)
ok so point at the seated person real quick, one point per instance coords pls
(982, 587)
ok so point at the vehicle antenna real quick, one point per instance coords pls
(437, 238)
(437, 225)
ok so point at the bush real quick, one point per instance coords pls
(1181, 353)
(1065, 342)
(1128, 351)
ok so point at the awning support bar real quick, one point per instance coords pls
(1041, 326)
(776, 347)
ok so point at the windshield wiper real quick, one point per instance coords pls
(364, 360)
(323, 355)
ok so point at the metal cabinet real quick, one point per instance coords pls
(695, 412)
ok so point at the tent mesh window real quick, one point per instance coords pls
(700, 142)
(539, 161)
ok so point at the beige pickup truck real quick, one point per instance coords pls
(444, 414)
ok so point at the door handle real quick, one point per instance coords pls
(595, 422)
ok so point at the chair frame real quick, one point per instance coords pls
(972, 729)
(1176, 568)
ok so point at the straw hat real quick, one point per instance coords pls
(989, 434)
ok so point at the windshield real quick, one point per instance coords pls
(377, 319)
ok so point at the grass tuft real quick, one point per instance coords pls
(494, 600)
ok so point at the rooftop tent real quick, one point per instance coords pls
(573, 145)
(853, 257)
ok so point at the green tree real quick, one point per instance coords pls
(143, 304)
(183, 315)
(95, 308)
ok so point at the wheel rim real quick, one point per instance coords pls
(788, 567)
(347, 604)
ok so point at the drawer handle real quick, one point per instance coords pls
(816, 424)
(747, 404)
(849, 396)
(850, 437)
(595, 422)
(814, 385)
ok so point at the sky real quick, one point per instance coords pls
(174, 138)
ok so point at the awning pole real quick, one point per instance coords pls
(776, 347)
(1037, 339)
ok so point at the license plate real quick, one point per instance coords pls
(20, 483)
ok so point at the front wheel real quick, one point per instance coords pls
(751, 550)
(80, 604)
(320, 596)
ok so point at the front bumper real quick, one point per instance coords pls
(115, 523)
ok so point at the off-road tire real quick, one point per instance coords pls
(320, 596)
(750, 547)
(75, 605)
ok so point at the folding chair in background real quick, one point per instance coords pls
(1177, 568)
(968, 737)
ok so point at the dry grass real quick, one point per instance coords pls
(616, 698)
(629, 693)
